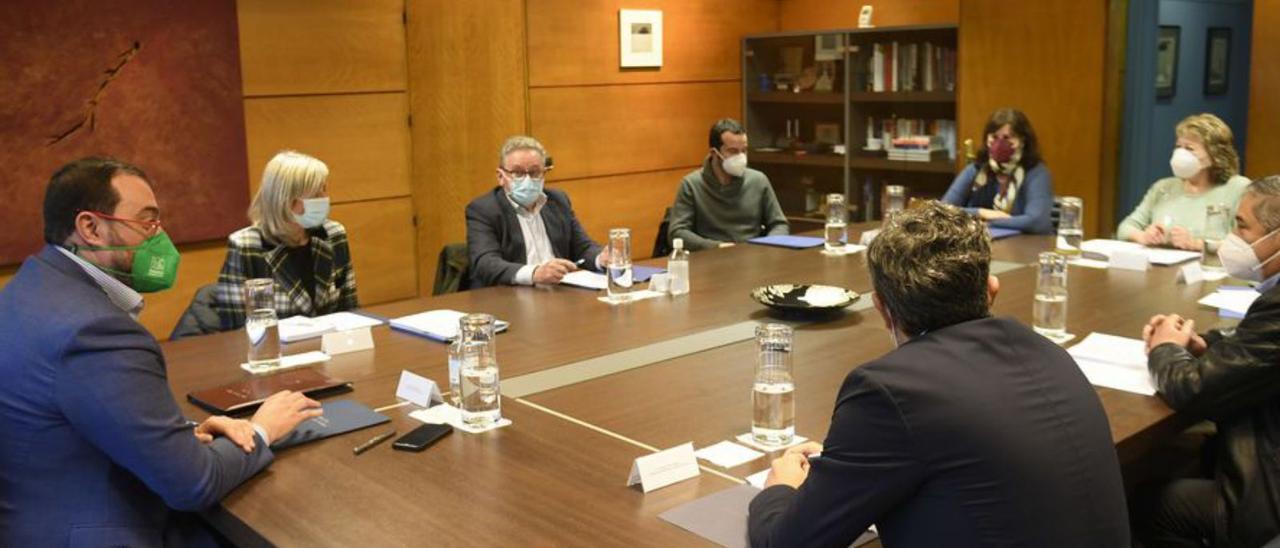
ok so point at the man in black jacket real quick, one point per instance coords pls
(522, 234)
(975, 431)
(1232, 377)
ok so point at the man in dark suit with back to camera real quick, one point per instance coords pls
(521, 233)
(95, 451)
(973, 431)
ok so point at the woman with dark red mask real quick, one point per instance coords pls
(1008, 184)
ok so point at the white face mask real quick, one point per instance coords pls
(314, 212)
(735, 165)
(1239, 260)
(1184, 163)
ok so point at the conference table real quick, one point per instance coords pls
(589, 387)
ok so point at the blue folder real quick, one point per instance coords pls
(339, 417)
(792, 242)
(998, 233)
(641, 273)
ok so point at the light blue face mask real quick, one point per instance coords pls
(526, 190)
(314, 212)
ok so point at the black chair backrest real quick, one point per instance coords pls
(200, 318)
(662, 244)
(452, 273)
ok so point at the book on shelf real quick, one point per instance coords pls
(894, 66)
(904, 133)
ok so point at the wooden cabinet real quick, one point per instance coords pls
(809, 98)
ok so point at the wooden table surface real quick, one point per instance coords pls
(559, 477)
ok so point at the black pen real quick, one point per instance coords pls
(371, 443)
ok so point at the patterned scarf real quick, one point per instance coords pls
(1004, 200)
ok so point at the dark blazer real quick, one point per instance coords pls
(94, 449)
(496, 243)
(980, 434)
(1236, 384)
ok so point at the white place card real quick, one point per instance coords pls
(867, 236)
(664, 468)
(1125, 259)
(727, 454)
(342, 342)
(418, 390)
(1190, 274)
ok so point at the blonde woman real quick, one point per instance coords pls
(292, 241)
(1206, 171)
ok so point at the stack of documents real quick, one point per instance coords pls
(1231, 301)
(297, 328)
(1103, 249)
(438, 325)
(1114, 362)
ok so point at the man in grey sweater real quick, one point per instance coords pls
(724, 202)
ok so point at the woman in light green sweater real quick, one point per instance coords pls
(1206, 171)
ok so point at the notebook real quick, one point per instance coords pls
(793, 242)
(437, 325)
(339, 417)
(595, 280)
(245, 396)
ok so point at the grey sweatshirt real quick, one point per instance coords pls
(707, 213)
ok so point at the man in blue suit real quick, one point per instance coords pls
(95, 451)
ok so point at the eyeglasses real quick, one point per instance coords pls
(535, 173)
(151, 226)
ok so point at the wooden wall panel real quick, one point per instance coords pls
(322, 46)
(573, 42)
(467, 76)
(1264, 93)
(364, 139)
(843, 14)
(609, 130)
(627, 201)
(383, 251)
(1054, 74)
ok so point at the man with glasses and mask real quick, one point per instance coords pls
(725, 202)
(971, 431)
(95, 450)
(1231, 377)
(522, 233)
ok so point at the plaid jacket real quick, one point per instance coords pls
(249, 256)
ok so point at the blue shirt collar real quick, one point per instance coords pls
(121, 295)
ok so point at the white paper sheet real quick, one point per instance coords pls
(1233, 300)
(298, 328)
(727, 454)
(585, 278)
(1155, 255)
(1115, 362)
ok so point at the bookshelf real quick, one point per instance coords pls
(806, 94)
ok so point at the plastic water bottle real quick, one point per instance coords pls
(678, 267)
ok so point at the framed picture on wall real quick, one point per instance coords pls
(1167, 61)
(1217, 60)
(640, 38)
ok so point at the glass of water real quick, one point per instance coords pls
(837, 222)
(1070, 225)
(619, 267)
(895, 200)
(1217, 220)
(1049, 314)
(260, 325)
(773, 404)
(478, 371)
